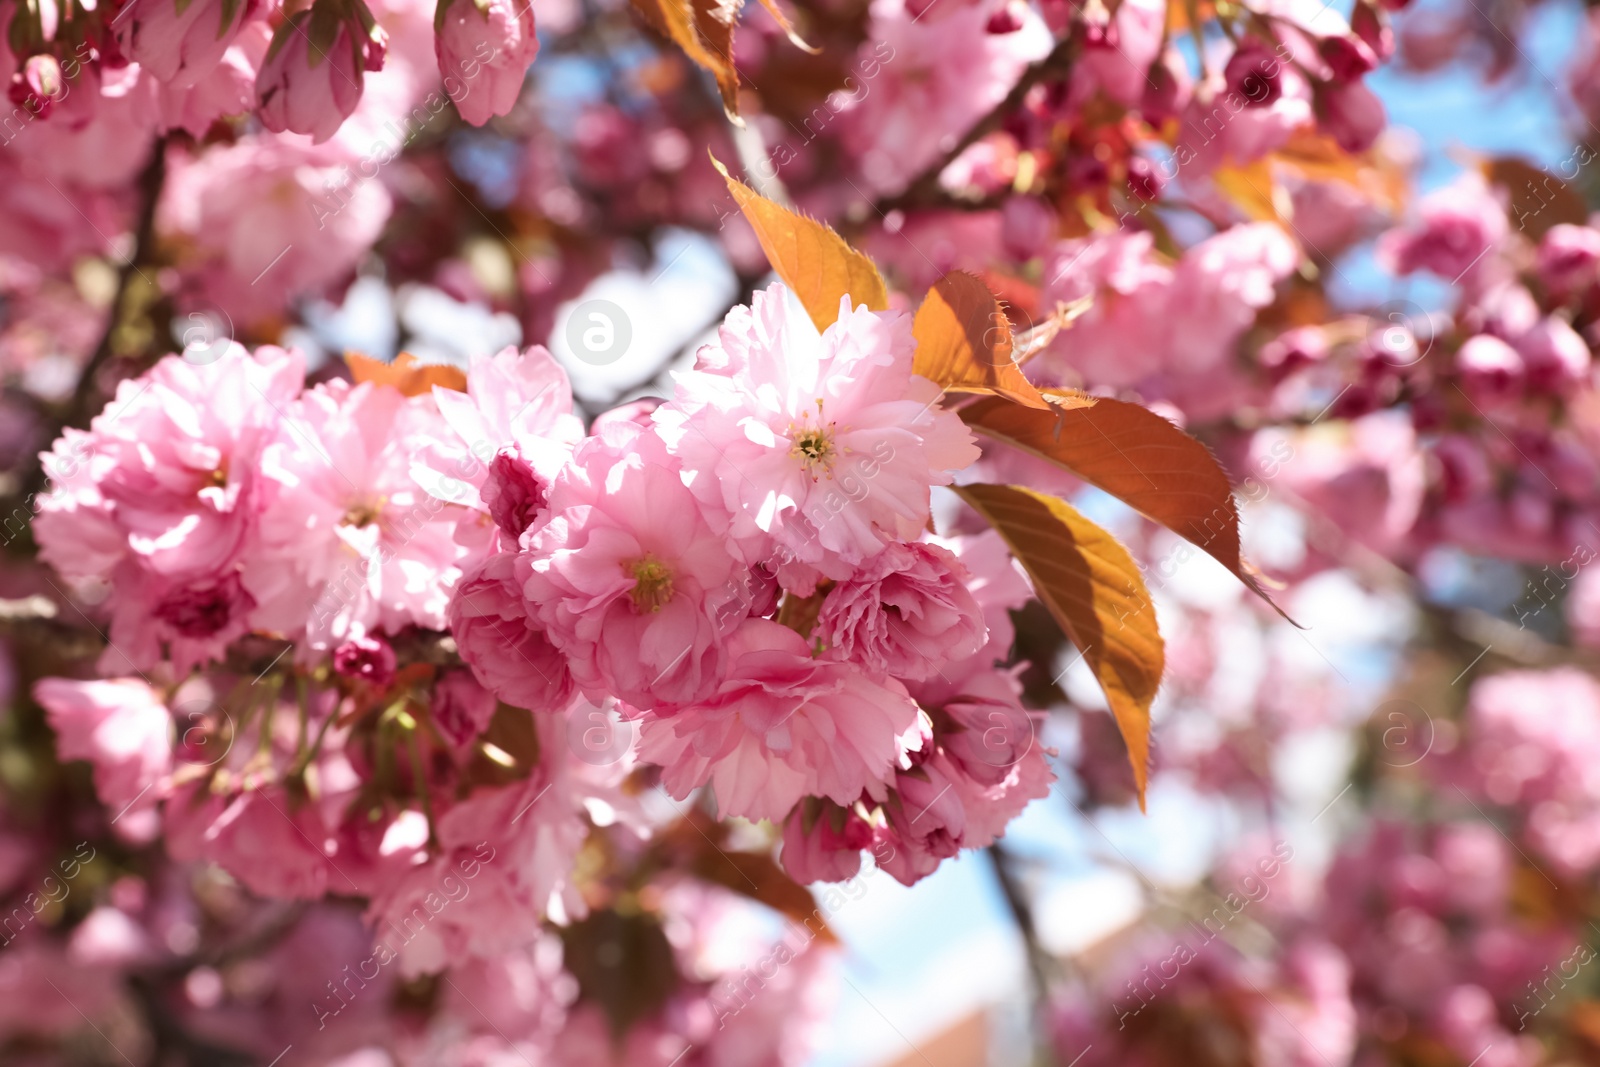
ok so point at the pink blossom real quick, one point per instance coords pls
(502, 641)
(461, 708)
(1117, 59)
(632, 581)
(176, 46)
(1181, 323)
(1459, 225)
(516, 431)
(1529, 745)
(99, 134)
(942, 70)
(488, 49)
(370, 659)
(227, 90)
(904, 612)
(781, 726)
(161, 498)
(822, 841)
(349, 543)
(264, 221)
(1569, 257)
(123, 728)
(821, 446)
(1121, 337)
(1492, 372)
(1558, 359)
(311, 79)
(1244, 112)
(1353, 115)
(170, 465)
(276, 845)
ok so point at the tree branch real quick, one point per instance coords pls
(151, 181)
(1039, 962)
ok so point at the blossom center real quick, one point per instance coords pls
(812, 444)
(652, 584)
(361, 514)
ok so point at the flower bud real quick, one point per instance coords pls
(311, 79)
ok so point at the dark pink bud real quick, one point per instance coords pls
(1349, 57)
(1371, 27)
(367, 658)
(1256, 74)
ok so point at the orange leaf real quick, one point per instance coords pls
(406, 374)
(1254, 190)
(1539, 200)
(704, 30)
(964, 342)
(788, 27)
(811, 259)
(1093, 588)
(1135, 455)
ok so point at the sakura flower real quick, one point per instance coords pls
(781, 726)
(1353, 115)
(168, 469)
(123, 728)
(180, 43)
(1558, 360)
(275, 844)
(371, 659)
(267, 220)
(312, 76)
(905, 612)
(1459, 225)
(631, 580)
(516, 430)
(1569, 257)
(161, 498)
(927, 822)
(943, 69)
(822, 841)
(489, 48)
(502, 641)
(227, 90)
(349, 543)
(821, 446)
(461, 708)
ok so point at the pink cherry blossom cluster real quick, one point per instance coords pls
(743, 579)
(301, 67)
(1461, 426)
(1417, 937)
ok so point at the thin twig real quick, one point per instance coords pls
(150, 183)
(1039, 963)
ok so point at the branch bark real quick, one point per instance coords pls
(1039, 962)
(151, 181)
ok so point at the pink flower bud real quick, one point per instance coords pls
(1167, 89)
(1557, 357)
(312, 77)
(484, 48)
(38, 85)
(1569, 258)
(180, 47)
(1372, 28)
(1255, 74)
(1491, 370)
(367, 658)
(1349, 57)
(1352, 114)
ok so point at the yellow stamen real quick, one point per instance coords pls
(652, 584)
